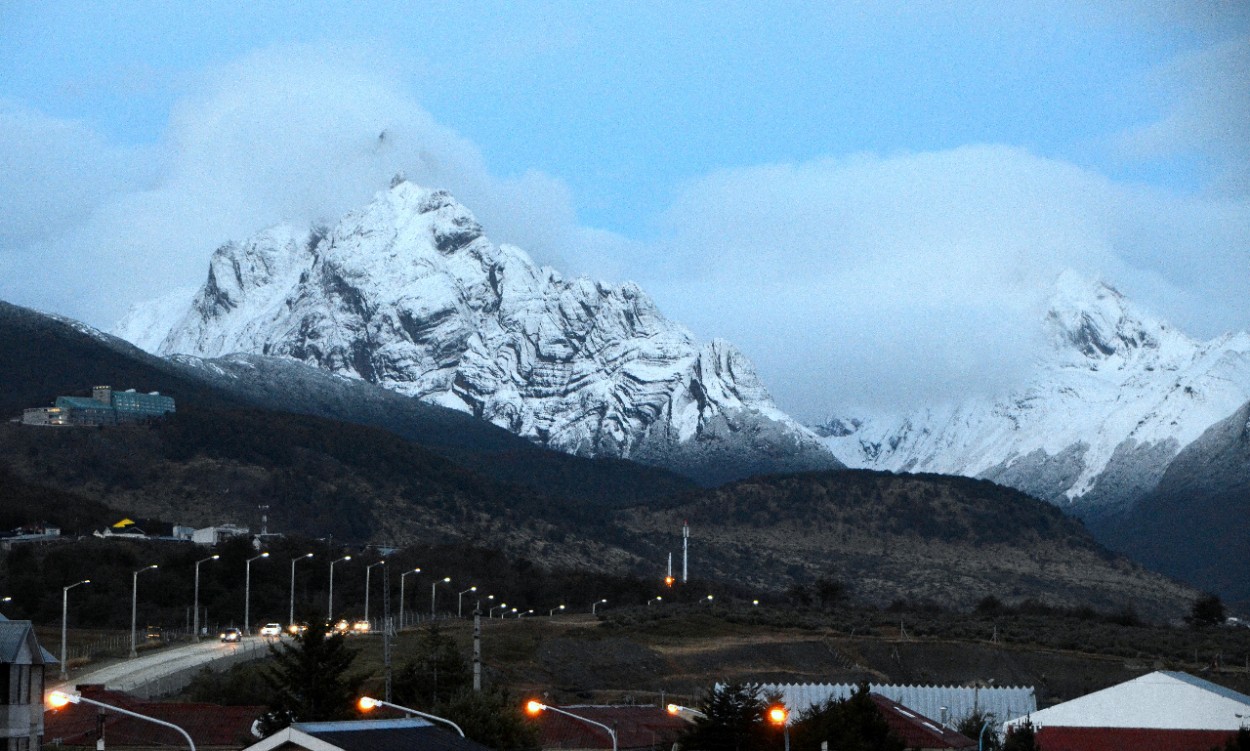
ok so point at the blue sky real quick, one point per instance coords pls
(745, 163)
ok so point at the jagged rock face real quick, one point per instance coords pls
(408, 293)
(1114, 401)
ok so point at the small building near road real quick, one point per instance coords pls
(22, 663)
(1160, 711)
(409, 734)
(637, 727)
(943, 703)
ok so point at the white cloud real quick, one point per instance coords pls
(865, 281)
(890, 282)
(1206, 114)
(294, 134)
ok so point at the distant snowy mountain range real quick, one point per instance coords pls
(409, 294)
(1113, 403)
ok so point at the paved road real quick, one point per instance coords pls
(152, 667)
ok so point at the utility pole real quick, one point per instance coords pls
(477, 648)
(387, 629)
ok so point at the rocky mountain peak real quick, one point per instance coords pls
(1093, 320)
(409, 293)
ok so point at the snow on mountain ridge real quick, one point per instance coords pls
(1116, 398)
(407, 292)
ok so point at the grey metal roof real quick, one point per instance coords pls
(388, 735)
(14, 635)
(1214, 688)
(1006, 702)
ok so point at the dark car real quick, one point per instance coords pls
(231, 634)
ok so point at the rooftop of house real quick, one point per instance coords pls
(209, 725)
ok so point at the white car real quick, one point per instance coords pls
(271, 629)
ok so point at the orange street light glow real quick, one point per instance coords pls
(366, 703)
(669, 580)
(58, 699)
(673, 709)
(534, 707)
(777, 715)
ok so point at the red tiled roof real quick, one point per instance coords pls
(1139, 739)
(917, 731)
(636, 727)
(207, 724)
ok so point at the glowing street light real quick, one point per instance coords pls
(552, 614)
(460, 601)
(290, 621)
(654, 600)
(434, 592)
(330, 615)
(59, 699)
(595, 605)
(134, 608)
(491, 613)
(368, 704)
(195, 620)
(401, 593)
(247, 594)
(685, 713)
(780, 716)
(64, 612)
(535, 708)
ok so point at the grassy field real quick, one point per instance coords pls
(644, 654)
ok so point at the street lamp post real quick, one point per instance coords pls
(368, 570)
(58, 699)
(367, 703)
(780, 716)
(134, 607)
(597, 604)
(247, 594)
(553, 611)
(291, 614)
(491, 613)
(64, 613)
(401, 593)
(534, 707)
(460, 601)
(330, 615)
(434, 592)
(195, 620)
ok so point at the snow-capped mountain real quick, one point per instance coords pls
(1116, 398)
(408, 293)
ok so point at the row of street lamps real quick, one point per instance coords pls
(247, 606)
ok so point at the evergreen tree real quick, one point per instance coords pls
(492, 718)
(436, 673)
(850, 724)
(733, 721)
(1208, 610)
(1022, 737)
(972, 724)
(309, 681)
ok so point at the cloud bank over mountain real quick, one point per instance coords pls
(869, 279)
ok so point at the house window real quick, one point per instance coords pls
(18, 689)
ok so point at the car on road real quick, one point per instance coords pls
(273, 630)
(231, 635)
